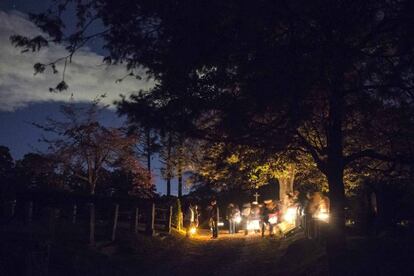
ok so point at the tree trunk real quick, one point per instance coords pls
(169, 174)
(180, 180)
(168, 187)
(148, 133)
(336, 242)
(136, 220)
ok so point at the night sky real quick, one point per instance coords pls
(25, 98)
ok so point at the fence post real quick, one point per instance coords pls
(92, 224)
(115, 221)
(74, 213)
(53, 213)
(136, 220)
(30, 213)
(13, 207)
(170, 213)
(151, 221)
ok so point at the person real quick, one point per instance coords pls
(265, 217)
(189, 218)
(214, 214)
(236, 217)
(255, 216)
(245, 216)
(307, 212)
(233, 212)
(229, 217)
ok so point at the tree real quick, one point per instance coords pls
(255, 74)
(166, 157)
(6, 174)
(37, 171)
(85, 147)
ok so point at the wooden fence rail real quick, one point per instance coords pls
(156, 216)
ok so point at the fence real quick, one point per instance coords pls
(72, 211)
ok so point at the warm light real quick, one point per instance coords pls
(290, 215)
(220, 224)
(193, 230)
(322, 215)
(273, 220)
(253, 225)
(238, 219)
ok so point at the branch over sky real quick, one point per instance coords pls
(87, 75)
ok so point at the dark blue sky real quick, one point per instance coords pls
(17, 131)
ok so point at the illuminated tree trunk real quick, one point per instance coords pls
(286, 182)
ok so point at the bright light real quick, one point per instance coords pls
(273, 220)
(322, 215)
(220, 224)
(290, 215)
(238, 219)
(253, 225)
(193, 230)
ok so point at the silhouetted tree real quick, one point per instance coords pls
(7, 188)
(85, 147)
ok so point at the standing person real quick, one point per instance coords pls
(245, 217)
(236, 217)
(214, 214)
(230, 218)
(265, 217)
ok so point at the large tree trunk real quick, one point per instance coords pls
(336, 243)
(286, 182)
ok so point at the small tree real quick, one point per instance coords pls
(85, 147)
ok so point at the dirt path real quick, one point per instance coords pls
(228, 255)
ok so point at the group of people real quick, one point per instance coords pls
(270, 215)
(253, 216)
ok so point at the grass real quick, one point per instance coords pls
(176, 255)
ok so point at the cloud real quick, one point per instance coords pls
(86, 75)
